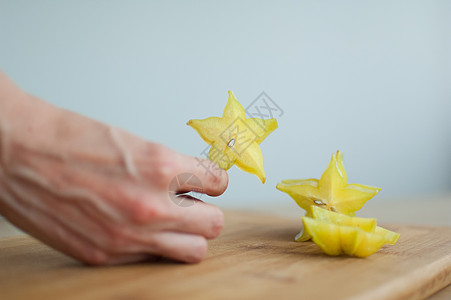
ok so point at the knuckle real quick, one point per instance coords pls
(143, 207)
(147, 212)
(164, 165)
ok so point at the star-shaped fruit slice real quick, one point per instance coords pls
(338, 234)
(331, 192)
(235, 139)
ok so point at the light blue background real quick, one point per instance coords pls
(371, 78)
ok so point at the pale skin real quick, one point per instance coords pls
(95, 192)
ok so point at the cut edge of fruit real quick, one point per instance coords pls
(351, 239)
(367, 224)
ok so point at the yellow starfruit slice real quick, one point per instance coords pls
(331, 192)
(235, 139)
(391, 237)
(367, 224)
(337, 239)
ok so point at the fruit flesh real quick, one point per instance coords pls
(338, 234)
(367, 224)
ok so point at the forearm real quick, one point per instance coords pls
(14, 114)
(29, 124)
(15, 104)
(10, 95)
(25, 123)
(22, 116)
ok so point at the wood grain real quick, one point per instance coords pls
(255, 258)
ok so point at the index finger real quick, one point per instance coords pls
(206, 176)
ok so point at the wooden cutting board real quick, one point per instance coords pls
(254, 258)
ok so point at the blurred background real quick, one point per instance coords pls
(371, 78)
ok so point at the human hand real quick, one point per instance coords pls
(98, 193)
